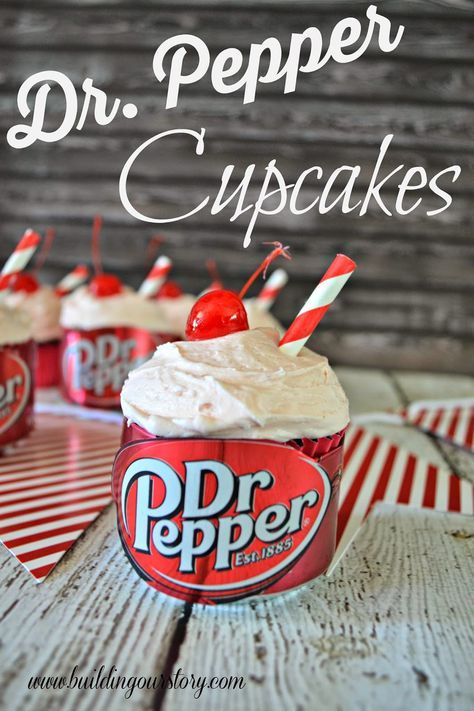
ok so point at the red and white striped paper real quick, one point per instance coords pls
(376, 469)
(53, 484)
(450, 421)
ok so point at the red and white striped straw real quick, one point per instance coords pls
(156, 278)
(318, 303)
(71, 281)
(20, 257)
(271, 289)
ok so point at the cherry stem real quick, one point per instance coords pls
(155, 242)
(211, 266)
(45, 249)
(279, 251)
(96, 257)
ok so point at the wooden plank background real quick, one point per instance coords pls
(409, 306)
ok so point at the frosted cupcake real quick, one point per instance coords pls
(228, 478)
(227, 481)
(108, 330)
(43, 306)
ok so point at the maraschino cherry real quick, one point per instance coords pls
(23, 281)
(105, 285)
(102, 284)
(215, 314)
(221, 312)
(169, 290)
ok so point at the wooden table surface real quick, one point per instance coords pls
(392, 628)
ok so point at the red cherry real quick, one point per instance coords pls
(105, 285)
(169, 290)
(216, 313)
(23, 282)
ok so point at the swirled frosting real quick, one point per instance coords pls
(82, 310)
(44, 309)
(15, 325)
(236, 386)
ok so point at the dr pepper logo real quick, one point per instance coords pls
(96, 363)
(15, 388)
(215, 520)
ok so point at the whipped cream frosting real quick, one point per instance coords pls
(15, 325)
(44, 309)
(259, 318)
(235, 386)
(82, 310)
(176, 312)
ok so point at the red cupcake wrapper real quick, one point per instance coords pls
(94, 364)
(212, 521)
(47, 372)
(131, 432)
(17, 365)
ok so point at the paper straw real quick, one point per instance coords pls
(318, 303)
(271, 289)
(20, 257)
(72, 280)
(156, 278)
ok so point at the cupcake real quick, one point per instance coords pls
(17, 361)
(108, 330)
(227, 481)
(43, 306)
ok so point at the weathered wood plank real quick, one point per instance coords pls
(72, 201)
(129, 73)
(173, 162)
(220, 27)
(428, 6)
(387, 349)
(339, 115)
(388, 630)
(91, 610)
(296, 119)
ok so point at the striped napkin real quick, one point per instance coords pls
(53, 484)
(452, 420)
(375, 470)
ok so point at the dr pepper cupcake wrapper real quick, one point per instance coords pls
(17, 367)
(47, 372)
(95, 363)
(214, 521)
